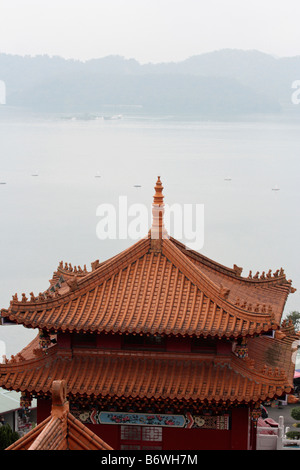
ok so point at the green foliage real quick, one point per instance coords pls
(7, 436)
(295, 317)
(293, 434)
(295, 413)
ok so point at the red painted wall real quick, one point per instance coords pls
(110, 433)
(237, 438)
(195, 439)
(178, 345)
(224, 347)
(240, 429)
(211, 439)
(173, 438)
(63, 340)
(108, 341)
(189, 439)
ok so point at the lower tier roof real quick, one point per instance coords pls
(145, 375)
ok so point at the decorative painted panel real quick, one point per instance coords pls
(187, 420)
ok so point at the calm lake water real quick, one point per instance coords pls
(232, 168)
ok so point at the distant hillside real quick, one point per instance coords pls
(226, 82)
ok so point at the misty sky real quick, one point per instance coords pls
(148, 30)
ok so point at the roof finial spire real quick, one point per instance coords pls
(158, 196)
(158, 230)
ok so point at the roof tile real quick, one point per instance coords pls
(157, 293)
(147, 375)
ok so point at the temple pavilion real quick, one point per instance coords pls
(159, 347)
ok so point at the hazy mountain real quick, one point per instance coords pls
(223, 82)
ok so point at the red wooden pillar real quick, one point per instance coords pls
(240, 429)
(43, 409)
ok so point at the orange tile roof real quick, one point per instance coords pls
(147, 374)
(167, 292)
(156, 286)
(61, 430)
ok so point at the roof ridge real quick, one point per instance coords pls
(275, 278)
(217, 294)
(183, 248)
(185, 262)
(77, 288)
(93, 438)
(51, 430)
